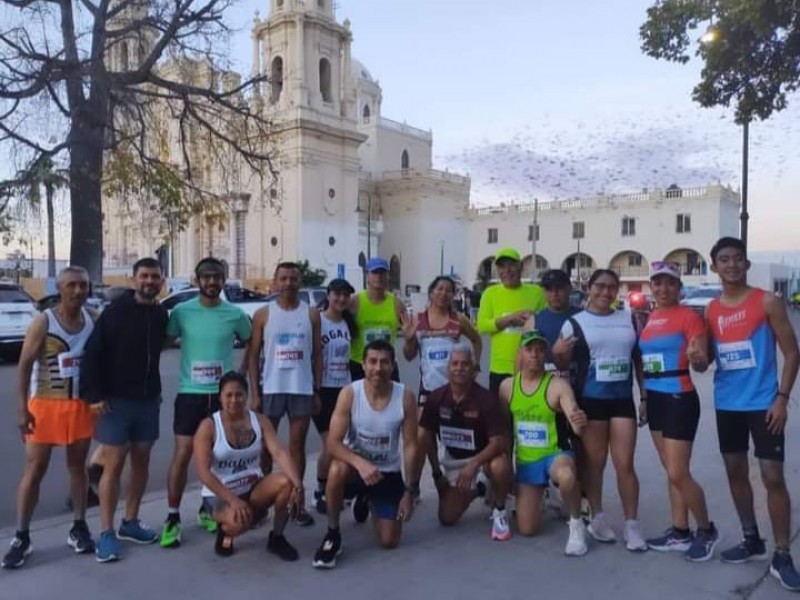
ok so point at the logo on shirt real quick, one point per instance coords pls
(724, 322)
(657, 322)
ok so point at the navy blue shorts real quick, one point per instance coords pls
(384, 497)
(128, 421)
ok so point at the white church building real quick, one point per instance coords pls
(354, 183)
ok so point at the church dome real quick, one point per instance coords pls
(359, 71)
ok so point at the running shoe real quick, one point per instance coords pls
(278, 544)
(329, 551)
(750, 548)
(670, 541)
(137, 532)
(361, 508)
(304, 518)
(576, 544)
(600, 530)
(15, 557)
(223, 545)
(80, 540)
(170, 534)
(634, 541)
(320, 502)
(206, 521)
(107, 549)
(782, 568)
(703, 545)
(500, 529)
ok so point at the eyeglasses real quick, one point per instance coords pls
(657, 265)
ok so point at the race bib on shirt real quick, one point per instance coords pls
(374, 447)
(69, 364)
(736, 355)
(457, 438)
(206, 372)
(653, 363)
(288, 357)
(377, 333)
(609, 370)
(438, 356)
(532, 434)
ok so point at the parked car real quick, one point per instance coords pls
(248, 300)
(100, 297)
(312, 295)
(17, 310)
(699, 298)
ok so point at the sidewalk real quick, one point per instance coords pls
(431, 562)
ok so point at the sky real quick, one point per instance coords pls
(554, 99)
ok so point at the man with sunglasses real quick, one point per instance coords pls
(207, 326)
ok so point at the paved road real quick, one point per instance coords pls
(54, 488)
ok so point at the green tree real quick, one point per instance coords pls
(750, 50)
(310, 277)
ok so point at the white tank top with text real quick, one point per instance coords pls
(335, 337)
(287, 351)
(373, 434)
(239, 469)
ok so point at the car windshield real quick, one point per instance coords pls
(14, 296)
(705, 293)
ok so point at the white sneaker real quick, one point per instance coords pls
(600, 530)
(501, 532)
(576, 544)
(634, 541)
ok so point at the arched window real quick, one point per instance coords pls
(366, 113)
(276, 79)
(123, 56)
(325, 80)
(405, 161)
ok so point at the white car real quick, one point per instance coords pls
(17, 310)
(248, 300)
(700, 297)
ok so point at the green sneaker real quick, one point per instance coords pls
(170, 535)
(206, 521)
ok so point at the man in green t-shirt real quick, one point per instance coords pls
(504, 309)
(207, 327)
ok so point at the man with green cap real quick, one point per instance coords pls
(504, 310)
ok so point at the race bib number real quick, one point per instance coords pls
(736, 355)
(289, 357)
(207, 372)
(653, 363)
(377, 333)
(457, 438)
(69, 364)
(375, 447)
(438, 356)
(532, 434)
(511, 328)
(609, 370)
(241, 484)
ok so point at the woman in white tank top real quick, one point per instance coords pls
(227, 452)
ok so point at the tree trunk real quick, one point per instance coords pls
(85, 169)
(51, 233)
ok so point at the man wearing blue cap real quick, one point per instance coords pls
(378, 314)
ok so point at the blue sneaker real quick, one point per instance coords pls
(703, 545)
(670, 541)
(137, 532)
(782, 568)
(107, 549)
(750, 548)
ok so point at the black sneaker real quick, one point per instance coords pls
(277, 544)
(751, 548)
(15, 557)
(331, 548)
(320, 503)
(223, 545)
(782, 568)
(80, 539)
(361, 508)
(303, 518)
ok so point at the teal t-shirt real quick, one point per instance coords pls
(207, 335)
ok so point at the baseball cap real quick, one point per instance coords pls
(555, 278)
(340, 285)
(665, 267)
(376, 263)
(508, 253)
(532, 336)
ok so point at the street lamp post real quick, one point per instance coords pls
(534, 270)
(744, 217)
(441, 257)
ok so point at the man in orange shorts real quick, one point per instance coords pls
(50, 413)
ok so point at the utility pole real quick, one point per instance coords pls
(744, 216)
(534, 235)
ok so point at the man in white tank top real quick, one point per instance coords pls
(372, 414)
(50, 412)
(288, 332)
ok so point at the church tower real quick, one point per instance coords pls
(309, 94)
